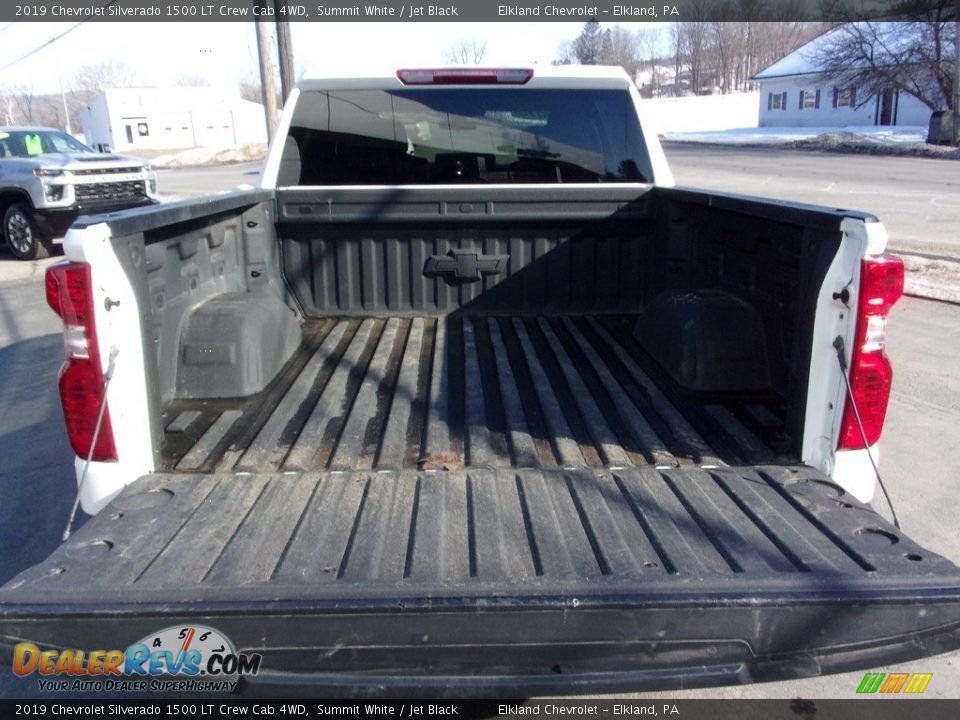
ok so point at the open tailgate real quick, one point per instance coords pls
(496, 581)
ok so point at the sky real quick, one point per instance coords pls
(225, 53)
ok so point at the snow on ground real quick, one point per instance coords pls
(934, 279)
(907, 141)
(212, 156)
(781, 135)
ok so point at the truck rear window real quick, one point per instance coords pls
(477, 135)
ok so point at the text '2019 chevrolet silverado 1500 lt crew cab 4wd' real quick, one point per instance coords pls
(48, 179)
(468, 399)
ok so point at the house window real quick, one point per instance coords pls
(777, 101)
(844, 97)
(809, 99)
(143, 130)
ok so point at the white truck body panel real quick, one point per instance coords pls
(120, 329)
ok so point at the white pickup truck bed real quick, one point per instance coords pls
(524, 421)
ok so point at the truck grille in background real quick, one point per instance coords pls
(110, 191)
(107, 171)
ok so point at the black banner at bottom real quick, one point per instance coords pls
(645, 707)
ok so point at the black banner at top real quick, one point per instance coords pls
(445, 10)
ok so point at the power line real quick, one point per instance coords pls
(41, 47)
(53, 39)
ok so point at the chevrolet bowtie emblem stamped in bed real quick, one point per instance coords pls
(459, 266)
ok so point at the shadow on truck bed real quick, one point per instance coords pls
(430, 485)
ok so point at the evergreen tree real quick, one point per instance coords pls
(588, 47)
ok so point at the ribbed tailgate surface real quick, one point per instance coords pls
(478, 533)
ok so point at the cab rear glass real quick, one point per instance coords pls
(457, 135)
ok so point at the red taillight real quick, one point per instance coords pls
(69, 294)
(466, 76)
(81, 387)
(881, 285)
(51, 284)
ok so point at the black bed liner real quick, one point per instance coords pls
(475, 505)
(481, 532)
(429, 393)
(491, 506)
(499, 581)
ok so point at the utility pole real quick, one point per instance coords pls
(285, 48)
(268, 87)
(66, 112)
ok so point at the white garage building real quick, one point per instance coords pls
(794, 93)
(124, 119)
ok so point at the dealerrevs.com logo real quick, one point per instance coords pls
(177, 658)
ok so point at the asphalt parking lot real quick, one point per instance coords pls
(918, 199)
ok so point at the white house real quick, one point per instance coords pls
(794, 93)
(124, 119)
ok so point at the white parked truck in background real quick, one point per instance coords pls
(48, 179)
(469, 361)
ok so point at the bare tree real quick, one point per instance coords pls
(20, 97)
(95, 77)
(565, 53)
(622, 47)
(19, 104)
(728, 46)
(617, 45)
(8, 106)
(250, 90)
(649, 49)
(693, 46)
(677, 56)
(724, 52)
(92, 79)
(717, 49)
(913, 55)
(956, 78)
(48, 111)
(465, 51)
(191, 80)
